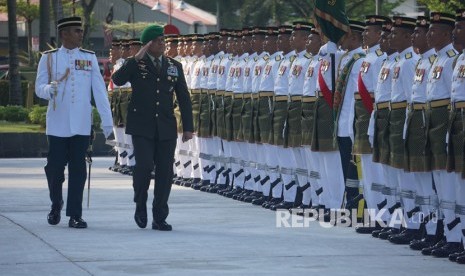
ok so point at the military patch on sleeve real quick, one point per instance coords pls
(86, 51)
(451, 53)
(379, 52)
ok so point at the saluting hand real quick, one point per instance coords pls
(186, 136)
(142, 51)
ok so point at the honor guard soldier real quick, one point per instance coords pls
(152, 124)
(171, 42)
(260, 44)
(415, 139)
(332, 178)
(68, 77)
(344, 105)
(113, 96)
(378, 132)
(265, 110)
(295, 75)
(311, 196)
(253, 70)
(438, 93)
(372, 173)
(278, 138)
(456, 130)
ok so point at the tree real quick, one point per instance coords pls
(443, 5)
(16, 97)
(357, 9)
(87, 8)
(44, 24)
(29, 12)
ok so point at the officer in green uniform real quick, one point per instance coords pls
(151, 122)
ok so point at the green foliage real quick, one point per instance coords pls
(357, 9)
(443, 5)
(96, 118)
(29, 11)
(2, 113)
(5, 94)
(38, 115)
(15, 113)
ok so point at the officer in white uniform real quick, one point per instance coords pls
(68, 77)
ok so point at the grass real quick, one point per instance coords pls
(19, 127)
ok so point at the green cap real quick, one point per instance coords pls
(151, 32)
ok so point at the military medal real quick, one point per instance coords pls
(282, 70)
(310, 71)
(461, 72)
(221, 70)
(419, 75)
(297, 70)
(324, 65)
(258, 70)
(197, 71)
(238, 72)
(268, 69)
(365, 67)
(231, 71)
(214, 69)
(247, 71)
(437, 72)
(384, 73)
(396, 73)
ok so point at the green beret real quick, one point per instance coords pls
(151, 32)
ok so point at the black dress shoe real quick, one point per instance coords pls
(54, 217)
(282, 205)
(427, 251)
(140, 216)
(387, 234)
(367, 229)
(77, 222)
(427, 241)
(460, 260)
(405, 237)
(447, 249)
(215, 188)
(259, 200)
(453, 257)
(162, 226)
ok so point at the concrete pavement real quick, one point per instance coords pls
(212, 236)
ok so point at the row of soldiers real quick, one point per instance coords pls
(271, 131)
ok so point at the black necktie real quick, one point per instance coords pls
(157, 65)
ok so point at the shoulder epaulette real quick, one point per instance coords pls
(86, 51)
(408, 55)
(278, 58)
(451, 53)
(432, 58)
(255, 58)
(231, 57)
(379, 52)
(266, 57)
(292, 58)
(308, 55)
(51, 51)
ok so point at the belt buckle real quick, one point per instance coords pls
(428, 105)
(390, 106)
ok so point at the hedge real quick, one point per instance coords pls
(5, 94)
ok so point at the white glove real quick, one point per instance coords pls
(53, 86)
(107, 131)
(370, 139)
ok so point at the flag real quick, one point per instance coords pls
(109, 17)
(332, 19)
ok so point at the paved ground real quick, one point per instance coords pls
(212, 236)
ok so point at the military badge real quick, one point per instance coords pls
(247, 71)
(419, 75)
(214, 69)
(296, 71)
(461, 71)
(172, 71)
(384, 74)
(365, 67)
(437, 72)
(221, 70)
(324, 65)
(396, 73)
(231, 72)
(268, 69)
(282, 70)
(238, 72)
(310, 71)
(258, 70)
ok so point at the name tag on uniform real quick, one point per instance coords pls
(82, 64)
(172, 71)
(437, 72)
